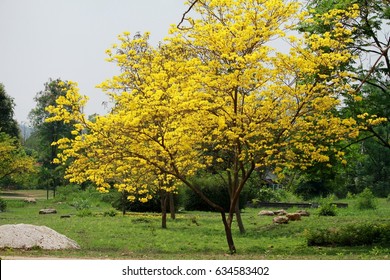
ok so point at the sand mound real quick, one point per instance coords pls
(26, 236)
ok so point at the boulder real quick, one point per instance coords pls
(25, 236)
(293, 216)
(30, 200)
(280, 212)
(280, 220)
(48, 211)
(266, 213)
(303, 213)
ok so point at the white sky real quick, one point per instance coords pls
(67, 39)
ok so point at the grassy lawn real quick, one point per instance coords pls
(192, 235)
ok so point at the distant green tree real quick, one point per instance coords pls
(7, 122)
(368, 164)
(15, 164)
(44, 134)
(369, 168)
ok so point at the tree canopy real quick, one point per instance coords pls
(44, 133)
(7, 122)
(14, 162)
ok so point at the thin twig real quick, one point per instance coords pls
(372, 69)
(184, 15)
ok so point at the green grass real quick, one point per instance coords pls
(193, 235)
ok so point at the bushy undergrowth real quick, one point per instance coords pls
(350, 235)
(82, 200)
(3, 205)
(78, 198)
(327, 208)
(110, 213)
(214, 188)
(80, 204)
(266, 194)
(366, 200)
(68, 193)
(84, 212)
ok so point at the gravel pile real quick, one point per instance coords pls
(25, 236)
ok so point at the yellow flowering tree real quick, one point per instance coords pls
(127, 149)
(215, 93)
(267, 107)
(15, 164)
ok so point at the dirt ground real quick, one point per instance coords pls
(23, 194)
(32, 258)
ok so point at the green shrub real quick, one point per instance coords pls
(3, 205)
(110, 213)
(327, 210)
(68, 193)
(312, 188)
(351, 235)
(350, 195)
(366, 200)
(75, 192)
(84, 213)
(327, 207)
(80, 204)
(214, 187)
(266, 194)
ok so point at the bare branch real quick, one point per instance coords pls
(184, 15)
(384, 52)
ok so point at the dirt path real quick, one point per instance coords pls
(23, 194)
(34, 258)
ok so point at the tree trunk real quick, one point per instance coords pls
(172, 206)
(227, 224)
(123, 200)
(239, 219)
(228, 232)
(164, 200)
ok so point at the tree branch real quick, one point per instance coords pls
(372, 70)
(184, 15)
(382, 141)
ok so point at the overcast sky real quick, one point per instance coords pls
(67, 39)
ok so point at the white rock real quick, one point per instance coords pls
(25, 236)
(48, 211)
(30, 200)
